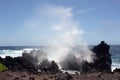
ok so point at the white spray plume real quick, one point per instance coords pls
(63, 34)
(66, 35)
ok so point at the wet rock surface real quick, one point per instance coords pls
(27, 67)
(18, 63)
(116, 70)
(102, 62)
(29, 63)
(103, 57)
(36, 61)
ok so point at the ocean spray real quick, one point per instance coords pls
(67, 34)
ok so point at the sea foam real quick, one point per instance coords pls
(14, 53)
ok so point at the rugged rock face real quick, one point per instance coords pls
(116, 70)
(103, 61)
(29, 63)
(65, 76)
(36, 61)
(103, 57)
(48, 66)
(18, 63)
(40, 62)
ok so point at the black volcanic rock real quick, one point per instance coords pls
(49, 66)
(36, 60)
(103, 57)
(103, 61)
(29, 62)
(65, 76)
(18, 63)
(54, 67)
(116, 70)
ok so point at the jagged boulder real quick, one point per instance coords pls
(39, 59)
(103, 60)
(48, 66)
(116, 70)
(17, 63)
(30, 62)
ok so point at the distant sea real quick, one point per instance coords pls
(15, 51)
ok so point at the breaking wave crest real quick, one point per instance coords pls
(14, 53)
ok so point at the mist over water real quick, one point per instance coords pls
(65, 34)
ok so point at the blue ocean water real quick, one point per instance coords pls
(115, 54)
(15, 51)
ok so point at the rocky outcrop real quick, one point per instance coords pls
(18, 63)
(103, 58)
(40, 62)
(29, 63)
(116, 70)
(102, 62)
(48, 66)
(64, 76)
(36, 61)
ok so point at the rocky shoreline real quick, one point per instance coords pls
(17, 75)
(26, 67)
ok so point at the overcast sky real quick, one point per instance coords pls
(30, 22)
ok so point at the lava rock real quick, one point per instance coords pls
(54, 67)
(17, 63)
(65, 76)
(103, 58)
(116, 70)
(29, 62)
(47, 66)
(102, 62)
(31, 78)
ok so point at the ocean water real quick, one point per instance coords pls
(15, 51)
(115, 55)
